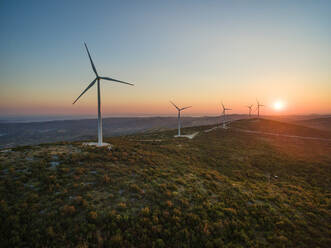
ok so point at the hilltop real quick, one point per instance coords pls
(223, 188)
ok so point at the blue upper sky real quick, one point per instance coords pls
(197, 52)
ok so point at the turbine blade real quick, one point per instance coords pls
(185, 108)
(93, 67)
(174, 105)
(115, 80)
(90, 85)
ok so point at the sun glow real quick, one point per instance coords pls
(279, 105)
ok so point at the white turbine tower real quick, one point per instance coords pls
(224, 115)
(97, 79)
(258, 108)
(179, 110)
(249, 110)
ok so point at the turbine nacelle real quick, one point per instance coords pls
(258, 107)
(224, 108)
(250, 109)
(258, 103)
(97, 76)
(179, 110)
(224, 114)
(97, 79)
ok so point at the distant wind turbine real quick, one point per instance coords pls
(224, 115)
(179, 110)
(249, 110)
(258, 108)
(97, 79)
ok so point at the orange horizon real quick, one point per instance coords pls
(160, 109)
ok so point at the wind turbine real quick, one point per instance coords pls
(258, 108)
(249, 110)
(179, 110)
(97, 79)
(224, 114)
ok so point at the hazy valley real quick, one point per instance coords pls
(30, 133)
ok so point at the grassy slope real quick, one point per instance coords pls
(223, 188)
(320, 123)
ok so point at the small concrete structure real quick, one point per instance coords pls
(189, 136)
(224, 126)
(103, 144)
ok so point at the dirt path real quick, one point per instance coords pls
(189, 136)
(281, 135)
(211, 129)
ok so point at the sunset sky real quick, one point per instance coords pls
(195, 53)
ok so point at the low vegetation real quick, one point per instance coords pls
(224, 188)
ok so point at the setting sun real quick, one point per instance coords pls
(279, 105)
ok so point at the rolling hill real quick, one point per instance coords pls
(323, 123)
(34, 133)
(281, 128)
(223, 188)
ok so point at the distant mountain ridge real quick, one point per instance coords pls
(14, 134)
(33, 133)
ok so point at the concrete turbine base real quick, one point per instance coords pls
(189, 136)
(97, 144)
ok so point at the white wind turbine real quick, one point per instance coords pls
(179, 110)
(224, 115)
(249, 110)
(258, 108)
(97, 79)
